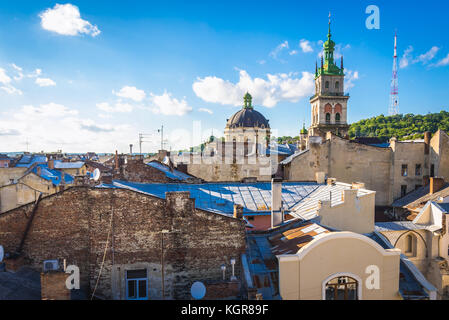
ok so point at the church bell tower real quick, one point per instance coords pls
(329, 105)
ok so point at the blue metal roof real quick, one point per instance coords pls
(68, 165)
(172, 174)
(221, 197)
(53, 175)
(28, 160)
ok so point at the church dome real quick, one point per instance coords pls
(248, 117)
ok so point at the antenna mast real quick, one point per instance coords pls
(394, 94)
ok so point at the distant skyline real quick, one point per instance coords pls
(91, 75)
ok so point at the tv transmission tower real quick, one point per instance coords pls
(394, 94)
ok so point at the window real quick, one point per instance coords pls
(403, 190)
(417, 186)
(409, 244)
(342, 288)
(337, 85)
(404, 170)
(432, 170)
(328, 117)
(326, 85)
(337, 117)
(136, 284)
(418, 170)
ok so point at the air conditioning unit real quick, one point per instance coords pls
(51, 265)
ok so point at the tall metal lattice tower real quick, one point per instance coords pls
(394, 94)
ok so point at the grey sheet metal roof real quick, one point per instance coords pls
(397, 226)
(293, 156)
(419, 196)
(221, 197)
(307, 209)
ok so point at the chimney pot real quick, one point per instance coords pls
(277, 214)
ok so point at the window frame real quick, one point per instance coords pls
(138, 280)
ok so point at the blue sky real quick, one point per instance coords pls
(93, 82)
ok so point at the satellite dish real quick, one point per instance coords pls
(2, 253)
(96, 174)
(198, 290)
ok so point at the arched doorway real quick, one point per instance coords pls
(341, 287)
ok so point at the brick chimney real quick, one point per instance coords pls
(427, 136)
(436, 184)
(116, 160)
(277, 214)
(238, 211)
(51, 164)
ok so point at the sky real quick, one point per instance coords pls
(85, 76)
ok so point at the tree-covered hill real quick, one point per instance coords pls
(408, 126)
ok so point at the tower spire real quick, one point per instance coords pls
(329, 32)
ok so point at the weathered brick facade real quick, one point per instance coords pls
(74, 225)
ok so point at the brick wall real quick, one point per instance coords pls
(75, 223)
(137, 171)
(53, 286)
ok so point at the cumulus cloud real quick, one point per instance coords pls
(404, 61)
(11, 89)
(205, 110)
(167, 105)
(117, 107)
(293, 52)
(54, 126)
(45, 82)
(267, 92)
(65, 19)
(131, 93)
(350, 77)
(305, 46)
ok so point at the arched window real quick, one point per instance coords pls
(337, 117)
(409, 244)
(326, 85)
(342, 288)
(337, 85)
(328, 117)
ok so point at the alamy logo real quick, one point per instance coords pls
(73, 281)
(373, 20)
(373, 280)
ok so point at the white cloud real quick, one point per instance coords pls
(404, 61)
(267, 92)
(131, 93)
(118, 107)
(11, 89)
(429, 55)
(275, 53)
(45, 82)
(65, 19)
(424, 58)
(293, 52)
(4, 78)
(305, 46)
(167, 105)
(53, 126)
(205, 110)
(261, 62)
(350, 77)
(443, 62)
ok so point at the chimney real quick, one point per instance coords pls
(358, 185)
(427, 136)
(116, 160)
(277, 213)
(39, 170)
(331, 181)
(320, 177)
(238, 211)
(436, 184)
(51, 164)
(62, 178)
